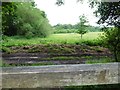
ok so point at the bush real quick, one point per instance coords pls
(111, 39)
(92, 42)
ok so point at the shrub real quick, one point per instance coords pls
(111, 39)
(92, 42)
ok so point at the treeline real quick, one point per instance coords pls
(68, 28)
(24, 19)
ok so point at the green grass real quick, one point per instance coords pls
(102, 60)
(63, 58)
(69, 38)
(89, 60)
(4, 64)
(0, 63)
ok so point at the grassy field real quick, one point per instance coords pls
(61, 44)
(68, 38)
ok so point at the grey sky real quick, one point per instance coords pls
(66, 14)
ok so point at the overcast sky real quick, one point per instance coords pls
(66, 14)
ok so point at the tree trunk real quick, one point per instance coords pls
(81, 36)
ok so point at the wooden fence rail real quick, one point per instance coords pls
(60, 75)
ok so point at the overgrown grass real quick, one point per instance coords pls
(71, 38)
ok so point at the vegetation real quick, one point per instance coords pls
(81, 28)
(58, 31)
(70, 38)
(25, 28)
(93, 87)
(102, 60)
(68, 28)
(8, 14)
(4, 64)
(89, 60)
(111, 39)
(24, 19)
(109, 14)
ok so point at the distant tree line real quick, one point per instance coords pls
(68, 28)
(24, 19)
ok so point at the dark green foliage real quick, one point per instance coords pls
(24, 19)
(109, 13)
(111, 39)
(94, 87)
(65, 31)
(0, 20)
(68, 28)
(93, 43)
(32, 22)
(65, 26)
(8, 14)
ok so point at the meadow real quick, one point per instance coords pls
(65, 38)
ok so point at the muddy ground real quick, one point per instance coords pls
(54, 54)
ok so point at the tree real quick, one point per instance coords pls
(24, 19)
(31, 20)
(82, 26)
(111, 39)
(8, 15)
(109, 13)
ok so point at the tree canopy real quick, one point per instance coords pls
(109, 13)
(24, 19)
